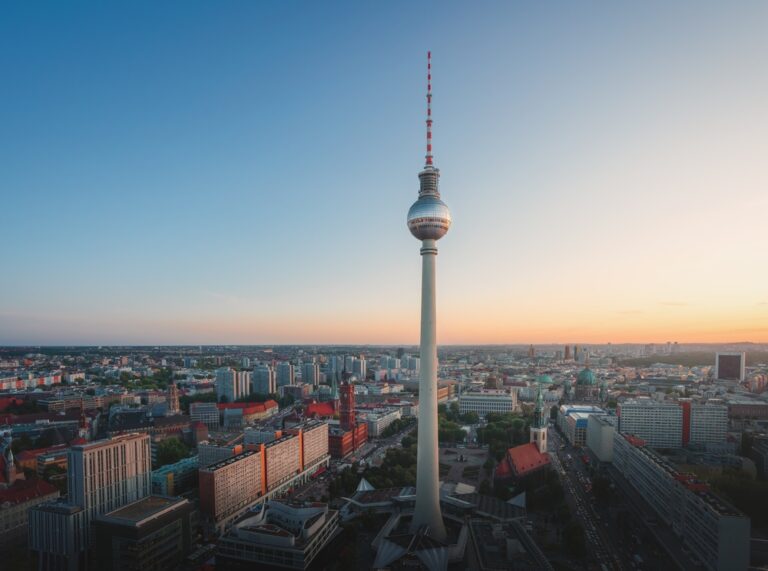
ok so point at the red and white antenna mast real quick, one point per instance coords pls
(429, 108)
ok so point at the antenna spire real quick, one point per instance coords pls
(429, 109)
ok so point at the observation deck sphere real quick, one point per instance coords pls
(429, 218)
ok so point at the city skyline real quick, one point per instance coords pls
(236, 175)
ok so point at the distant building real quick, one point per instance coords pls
(264, 380)
(730, 366)
(285, 374)
(155, 532)
(232, 385)
(207, 413)
(310, 374)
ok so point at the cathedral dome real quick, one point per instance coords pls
(586, 377)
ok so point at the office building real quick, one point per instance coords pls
(717, 533)
(279, 535)
(58, 536)
(102, 476)
(152, 534)
(107, 474)
(730, 366)
(379, 419)
(488, 400)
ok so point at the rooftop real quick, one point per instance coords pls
(146, 508)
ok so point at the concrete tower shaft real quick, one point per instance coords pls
(428, 220)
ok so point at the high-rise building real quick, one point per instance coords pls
(264, 380)
(285, 374)
(428, 220)
(730, 366)
(360, 369)
(101, 476)
(232, 385)
(107, 474)
(310, 374)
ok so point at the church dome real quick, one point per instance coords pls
(544, 380)
(586, 377)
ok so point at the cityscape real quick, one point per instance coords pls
(208, 365)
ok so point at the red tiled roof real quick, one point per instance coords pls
(249, 407)
(526, 458)
(34, 453)
(25, 490)
(320, 409)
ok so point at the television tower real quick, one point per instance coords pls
(428, 220)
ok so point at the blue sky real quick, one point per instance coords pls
(199, 172)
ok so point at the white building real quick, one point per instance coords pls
(380, 419)
(488, 400)
(674, 424)
(232, 385)
(600, 429)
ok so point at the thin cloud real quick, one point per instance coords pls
(674, 303)
(630, 312)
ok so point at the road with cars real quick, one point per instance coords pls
(575, 486)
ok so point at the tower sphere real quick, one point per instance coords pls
(429, 218)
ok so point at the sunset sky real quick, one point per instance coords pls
(240, 172)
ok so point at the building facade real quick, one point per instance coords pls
(717, 532)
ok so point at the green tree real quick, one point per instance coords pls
(170, 451)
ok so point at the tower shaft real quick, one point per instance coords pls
(427, 511)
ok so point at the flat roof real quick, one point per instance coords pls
(145, 508)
